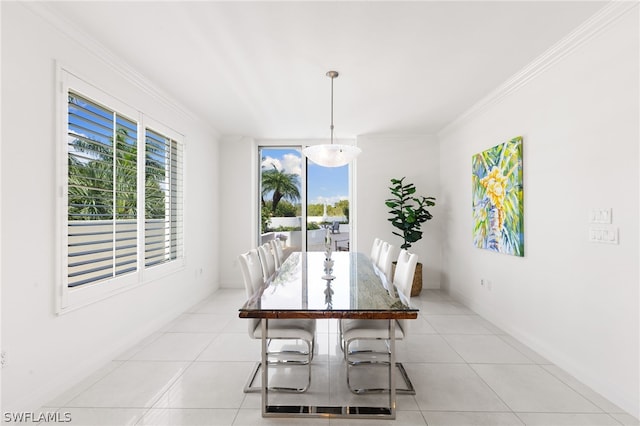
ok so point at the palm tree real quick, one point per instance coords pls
(282, 185)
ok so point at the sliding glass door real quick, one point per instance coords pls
(300, 202)
(327, 207)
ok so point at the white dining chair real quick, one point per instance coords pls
(386, 259)
(375, 250)
(366, 329)
(403, 277)
(278, 254)
(251, 268)
(268, 261)
(284, 329)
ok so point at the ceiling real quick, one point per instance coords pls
(258, 68)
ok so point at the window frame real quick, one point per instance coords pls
(71, 298)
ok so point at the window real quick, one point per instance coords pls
(123, 196)
(163, 199)
(102, 193)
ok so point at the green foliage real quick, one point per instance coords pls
(285, 209)
(408, 211)
(343, 207)
(340, 208)
(286, 228)
(315, 210)
(312, 226)
(335, 210)
(265, 218)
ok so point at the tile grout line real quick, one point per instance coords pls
(608, 413)
(540, 365)
(177, 377)
(481, 379)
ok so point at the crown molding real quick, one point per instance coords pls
(601, 20)
(114, 62)
(394, 136)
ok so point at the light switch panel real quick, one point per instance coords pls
(603, 234)
(600, 215)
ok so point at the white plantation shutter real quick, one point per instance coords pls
(101, 193)
(163, 199)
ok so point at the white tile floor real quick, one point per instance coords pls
(465, 370)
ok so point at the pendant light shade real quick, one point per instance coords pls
(331, 155)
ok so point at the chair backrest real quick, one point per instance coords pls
(405, 269)
(252, 274)
(335, 226)
(278, 254)
(251, 271)
(375, 250)
(267, 260)
(403, 279)
(385, 259)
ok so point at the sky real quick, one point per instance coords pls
(330, 184)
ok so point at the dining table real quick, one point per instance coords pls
(352, 288)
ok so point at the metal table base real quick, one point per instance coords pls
(330, 411)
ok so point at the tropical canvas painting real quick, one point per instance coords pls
(498, 223)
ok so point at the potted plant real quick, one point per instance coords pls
(408, 213)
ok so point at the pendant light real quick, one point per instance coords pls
(331, 155)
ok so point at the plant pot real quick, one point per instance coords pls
(416, 287)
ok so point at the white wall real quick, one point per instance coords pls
(387, 157)
(46, 352)
(574, 302)
(238, 214)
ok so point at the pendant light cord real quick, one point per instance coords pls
(332, 109)
(330, 155)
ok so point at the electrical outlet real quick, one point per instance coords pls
(482, 282)
(3, 358)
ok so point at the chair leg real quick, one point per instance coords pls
(409, 390)
(292, 352)
(249, 388)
